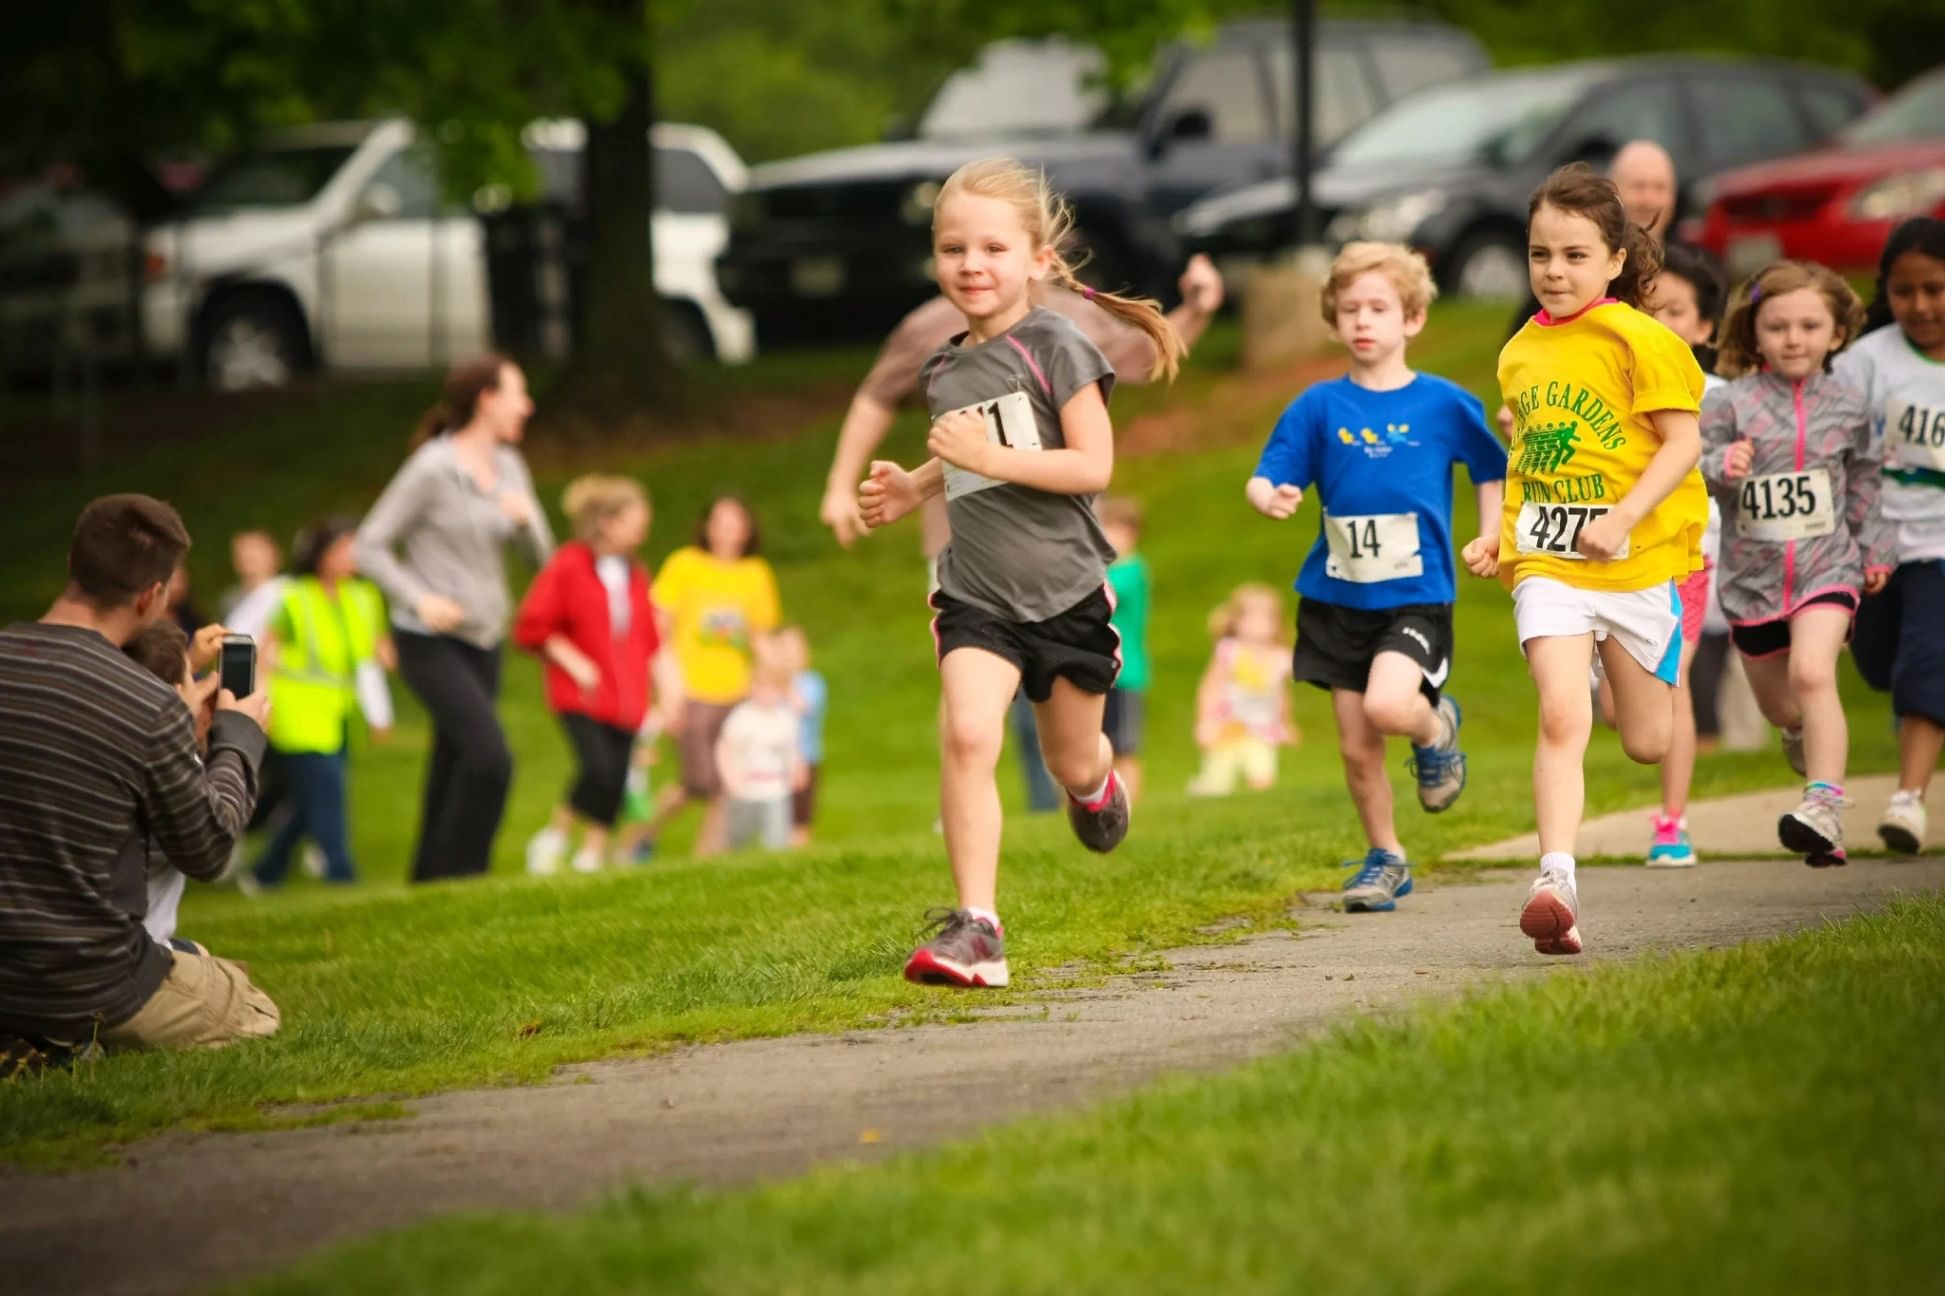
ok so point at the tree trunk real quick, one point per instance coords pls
(620, 362)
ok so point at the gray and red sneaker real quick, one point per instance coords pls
(967, 951)
(1100, 825)
(1551, 916)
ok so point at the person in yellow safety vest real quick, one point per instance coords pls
(325, 654)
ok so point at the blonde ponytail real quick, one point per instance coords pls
(1049, 221)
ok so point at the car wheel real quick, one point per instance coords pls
(1489, 265)
(251, 342)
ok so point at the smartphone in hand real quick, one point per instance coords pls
(238, 664)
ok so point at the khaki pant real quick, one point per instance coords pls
(204, 1002)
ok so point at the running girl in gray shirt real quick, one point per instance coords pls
(1022, 446)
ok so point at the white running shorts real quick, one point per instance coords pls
(1647, 623)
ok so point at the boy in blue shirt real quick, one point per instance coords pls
(1374, 614)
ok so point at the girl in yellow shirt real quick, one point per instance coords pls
(1604, 508)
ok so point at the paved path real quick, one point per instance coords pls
(190, 1210)
(1724, 828)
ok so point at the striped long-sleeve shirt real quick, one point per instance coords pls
(93, 749)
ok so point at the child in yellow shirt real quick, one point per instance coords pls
(1604, 511)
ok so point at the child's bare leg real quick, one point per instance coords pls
(978, 686)
(1817, 636)
(1644, 705)
(1361, 744)
(713, 837)
(1919, 743)
(594, 838)
(1558, 665)
(1678, 767)
(1394, 702)
(1769, 680)
(1129, 770)
(1077, 753)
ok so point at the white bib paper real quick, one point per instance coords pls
(1372, 547)
(1553, 529)
(1914, 436)
(1009, 422)
(1776, 507)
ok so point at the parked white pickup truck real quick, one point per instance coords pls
(332, 246)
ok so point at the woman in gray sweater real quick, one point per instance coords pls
(435, 543)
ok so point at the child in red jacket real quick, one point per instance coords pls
(588, 616)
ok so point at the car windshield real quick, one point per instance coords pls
(1500, 117)
(284, 177)
(1034, 87)
(1915, 113)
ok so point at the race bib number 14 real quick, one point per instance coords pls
(1372, 547)
(1554, 529)
(1009, 422)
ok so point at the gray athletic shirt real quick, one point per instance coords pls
(1021, 553)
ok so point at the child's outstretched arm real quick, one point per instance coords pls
(1863, 482)
(1680, 450)
(1082, 468)
(1481, 553)
(888, 492)
(1271, 500)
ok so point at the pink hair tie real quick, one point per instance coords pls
(1087, 292)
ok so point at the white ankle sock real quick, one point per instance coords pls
(987, 914)
(1090, 798)
(1559, 862)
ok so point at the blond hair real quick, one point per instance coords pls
(1224, 616)
(591, 500)
(1406, 269)
(1049, 222)
(1739, 354)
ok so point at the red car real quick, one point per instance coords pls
(1839, 203)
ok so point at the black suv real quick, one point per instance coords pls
(852, 226)
(1449, 170)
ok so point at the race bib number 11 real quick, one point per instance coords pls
(1554, 529)
(1009, 422)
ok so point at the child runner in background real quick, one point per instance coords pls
(1127, 704)
(1789, 452)
(759, 754)
(1374, 608)
(1022, 445)
(588, 617)
(1687, 297)
(1604, 509)
(720, 596)
(1900, 639)
(1242, 705)
(322, 634)
(811, 696)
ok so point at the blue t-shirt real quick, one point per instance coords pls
(1378, 454)
(810, 690)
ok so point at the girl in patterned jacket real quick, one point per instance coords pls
(1788, 450)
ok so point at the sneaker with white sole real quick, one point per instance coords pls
(1793, 750)
(968, 952)
(1670, 847)
(545, 851)
(1441, 768)
(1815, 829)
(1381, 881)
(1903, 826)
(1551, 916)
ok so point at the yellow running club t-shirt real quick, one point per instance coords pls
(1581, 391)
(715, 609)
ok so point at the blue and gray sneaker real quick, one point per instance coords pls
(1440, 769)
(1382, 880)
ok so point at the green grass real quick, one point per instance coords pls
(390, 991)
(1750, 1120)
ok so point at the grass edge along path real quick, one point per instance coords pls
(1754, 1119)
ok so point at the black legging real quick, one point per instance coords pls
(602, 752)
(467, 778)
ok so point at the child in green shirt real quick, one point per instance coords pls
(1128, 578)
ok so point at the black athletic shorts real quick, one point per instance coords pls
(1768, 638)
(1078, 643)
(1336, 644)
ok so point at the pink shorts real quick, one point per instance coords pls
(1695, 602)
